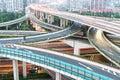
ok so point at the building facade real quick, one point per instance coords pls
(13, 5)
(91, 5)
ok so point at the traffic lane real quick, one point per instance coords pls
(98, 39)
(66, 32)
(33, 18)
(19, 32)
(94, 68)
(13, 21)
(11, 40)
(44, 25)
(95, 22)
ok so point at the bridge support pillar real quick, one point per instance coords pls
(35, 13)
(51, 19)
(66, 22)
(62, 22)
(24, 70)
(46, 17)
(76, 49)
(41, 16)
(15, 70)
(6, 27)
(58, 76)
(38, 14)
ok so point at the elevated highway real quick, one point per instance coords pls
(45, 37)
(20, 32)
(97, 23)
(95, 37)
(104, 46)
(68, 66)
(60, 63)
(43, 24)
(13, 21)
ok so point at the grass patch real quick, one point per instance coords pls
(29, 76)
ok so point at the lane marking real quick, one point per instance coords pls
(111, 72)
(28, 50)
(85, 66)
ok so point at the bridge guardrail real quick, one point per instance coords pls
(57, 64)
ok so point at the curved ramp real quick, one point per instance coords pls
(19, 32)
(45, 37)
(47, 62)
(43, 24)
(13, 21)
(104, 46)
(93, 22)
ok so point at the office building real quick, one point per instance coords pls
(14, 5)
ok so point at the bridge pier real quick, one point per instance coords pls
(41, 16)
(38, 14)
(15, 70)
(6, 27)
(62, 22)
(58, 76)
(24, 70)
(76, 49)
(45, 19)
(51, 19)
(66, 22)
(18, 26)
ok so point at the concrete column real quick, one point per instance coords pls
(38, 14)
(18, 27)
(34, 13)
(51, 19)
(76, 49)
(6, 27)
(15, 70)
(58, 76)
(24, 70)
(48, 18)
(45, 17)
(66, 22)
(62, 22)
(28, 21)
(41, 16)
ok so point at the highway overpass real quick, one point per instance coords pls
(68, 66)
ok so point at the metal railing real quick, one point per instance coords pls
(54, 63)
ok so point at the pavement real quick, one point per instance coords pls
(89, 66)
(106, 48)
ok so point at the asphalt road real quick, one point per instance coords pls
(89, 66)
(97, 38)
(43, 24)
(13, 21)
(45, 37)
(20, 32)
(97, 23)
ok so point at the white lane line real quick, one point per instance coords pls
(28, 50)
(85, 66)
(114, 73)
(17, 47)
(110, 53)
(111, 72)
